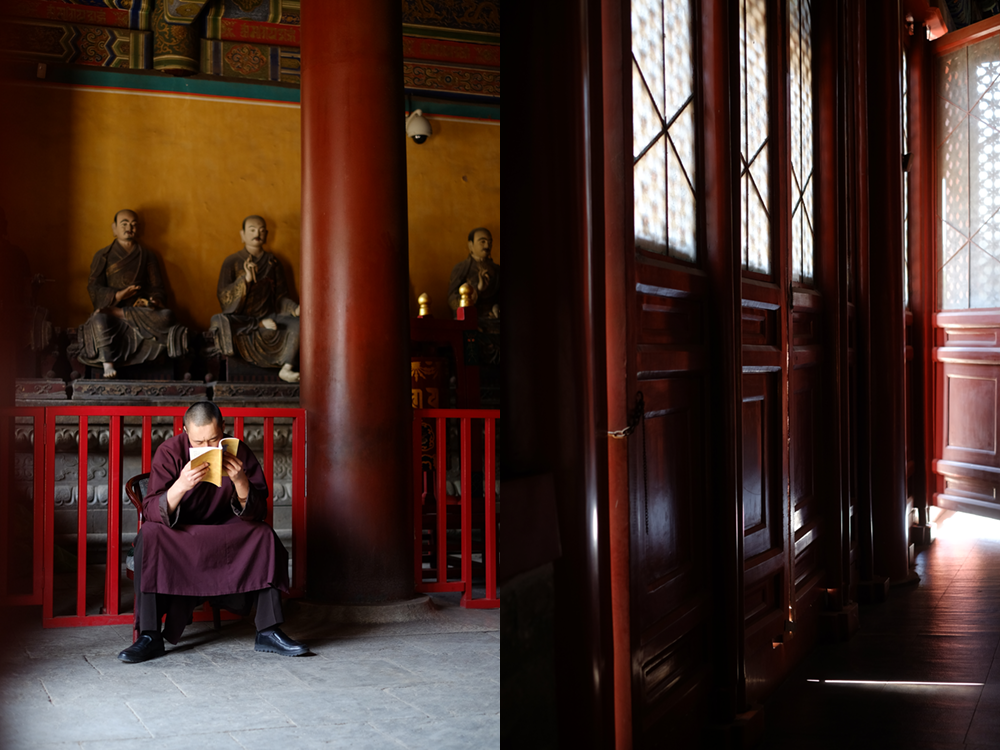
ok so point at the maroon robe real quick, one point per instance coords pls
(209, 547)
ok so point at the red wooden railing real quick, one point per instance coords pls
(7, 418)
(432, 502)
(44, 488)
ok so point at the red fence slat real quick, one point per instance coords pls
(269, 465)
(147, 443)
(81, 518)
(114, 540)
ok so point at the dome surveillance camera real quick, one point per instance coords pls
(417, 126)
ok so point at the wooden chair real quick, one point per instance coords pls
(136, 488)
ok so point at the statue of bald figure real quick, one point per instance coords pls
(259, 321)
(130, 323)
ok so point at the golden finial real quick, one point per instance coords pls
(464, 292)
(424, 300)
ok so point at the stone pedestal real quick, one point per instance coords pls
(138, 392)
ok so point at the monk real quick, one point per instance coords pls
(480, 273)
(130, 323)
(199, 541)
(259, 321)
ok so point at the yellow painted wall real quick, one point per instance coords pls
(193, 168)
(453, 184)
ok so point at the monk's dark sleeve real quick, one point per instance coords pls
(232, 292)
(165, 470)
(155, 289)
(97, 285)
(256, 507)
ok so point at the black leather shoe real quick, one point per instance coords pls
(148, 646)
(274, 641)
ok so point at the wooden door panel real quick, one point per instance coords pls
(967, 370)
(762, 502)
(807, 511)
(670, 591)
(670, 520)
(970, 402)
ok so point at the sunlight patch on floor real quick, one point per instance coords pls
(964, 526)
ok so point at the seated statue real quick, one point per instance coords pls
(258, 322)
(130, 323)
(480, 273)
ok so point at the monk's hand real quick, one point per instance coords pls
(191, 477)
(234, 470)
(249, 271)
(298, 309)
(127, 292)
(268, 324)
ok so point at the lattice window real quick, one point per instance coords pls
(968, 171)
(755, 204)
(663, 128)
(801, 91)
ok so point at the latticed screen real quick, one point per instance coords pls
(755, 204)
(800, 54)
(968, 170)
(663, 140)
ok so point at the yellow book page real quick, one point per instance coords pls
(213, 457)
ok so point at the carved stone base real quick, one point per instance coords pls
(39, 391)
(136, 392)
(256, 394)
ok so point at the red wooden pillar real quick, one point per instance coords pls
(355, 327)
(885, 179)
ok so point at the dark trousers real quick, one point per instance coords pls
(151, 607)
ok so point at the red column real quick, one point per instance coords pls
(355, 328)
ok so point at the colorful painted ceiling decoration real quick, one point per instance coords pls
(451, 48)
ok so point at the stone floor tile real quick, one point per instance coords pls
(454, 644)
(462, 667)
(457, 733)
(357, 735)
(347, 673)
(441, 700)
(343, 705)
(67, 688)
(208, 741)
(230, 711)
(205, 681)
(32, 745)
(73, 721)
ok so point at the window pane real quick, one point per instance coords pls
(800, 56)
(647, 45)
(650, 183)
(646, 122)
(754, 128)
(663, 115)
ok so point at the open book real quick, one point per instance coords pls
(212, 455)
